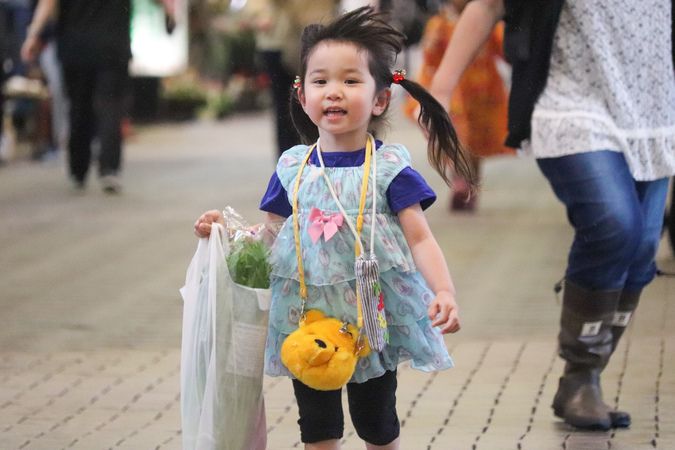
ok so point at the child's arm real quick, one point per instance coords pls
(273, 223)
(430, 261)
(472, 30)
(273, 219)
(202, 227)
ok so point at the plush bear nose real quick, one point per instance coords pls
(320, 354)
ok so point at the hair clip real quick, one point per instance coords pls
(398, 76)
(297, 82)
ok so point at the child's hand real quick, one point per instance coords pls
(444, 312)
(203, 224)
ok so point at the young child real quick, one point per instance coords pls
(479, 103)
(342, 93)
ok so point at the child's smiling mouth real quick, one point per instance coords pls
(334, 112)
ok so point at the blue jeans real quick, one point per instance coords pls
(617, 221)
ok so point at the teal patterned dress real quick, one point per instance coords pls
(329, 267)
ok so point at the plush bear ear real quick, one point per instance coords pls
(353, 330)
(313, 315)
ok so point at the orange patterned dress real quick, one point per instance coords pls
(479, 104)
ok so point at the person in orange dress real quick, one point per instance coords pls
(479, 105)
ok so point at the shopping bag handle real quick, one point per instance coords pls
(207, 248)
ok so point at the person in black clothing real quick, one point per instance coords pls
(94, 48)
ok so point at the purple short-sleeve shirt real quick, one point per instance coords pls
(406, 189)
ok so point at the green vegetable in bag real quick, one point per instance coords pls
(248, 264)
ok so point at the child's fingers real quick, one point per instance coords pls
(450, 328)
(452, 325)
(202, 229)
(433, 310)
(213, 215)
(445, 316)
(441, 316)
(209, 217)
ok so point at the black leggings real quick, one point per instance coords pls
(372, 406)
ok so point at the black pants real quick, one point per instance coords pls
(96, 95)
(372, 406)
(282, 83)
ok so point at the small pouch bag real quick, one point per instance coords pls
(367, 273)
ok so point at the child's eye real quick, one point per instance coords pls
(319, 81)
(351, 81)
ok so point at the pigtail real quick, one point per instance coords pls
(444, 150)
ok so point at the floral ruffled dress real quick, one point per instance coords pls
(329, 268)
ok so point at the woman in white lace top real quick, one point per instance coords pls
(593, 99)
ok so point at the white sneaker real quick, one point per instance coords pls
(111, 184)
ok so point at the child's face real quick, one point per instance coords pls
(338, 95)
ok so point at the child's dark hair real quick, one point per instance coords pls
(369, 30)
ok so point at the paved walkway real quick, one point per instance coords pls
(90, 311)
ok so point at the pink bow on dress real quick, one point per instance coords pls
(322, 223)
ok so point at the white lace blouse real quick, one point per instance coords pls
(611, 86)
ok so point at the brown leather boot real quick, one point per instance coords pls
(585, 343)
(579, 401)
(628, 302)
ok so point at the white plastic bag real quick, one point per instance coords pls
(224, 330)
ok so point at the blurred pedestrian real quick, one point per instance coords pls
(93, 39)
(58, 101)
(595, 105)
(479, 102)
(278, 25)
(94, 47)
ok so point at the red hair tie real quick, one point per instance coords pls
(398, 76)
(297, 83)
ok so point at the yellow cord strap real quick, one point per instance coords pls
(296, 230)
(359, 221)
(364, 192)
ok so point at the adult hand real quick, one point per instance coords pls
(31, 48)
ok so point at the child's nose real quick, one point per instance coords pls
(334, 91)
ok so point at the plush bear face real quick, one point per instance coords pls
(321, 353)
